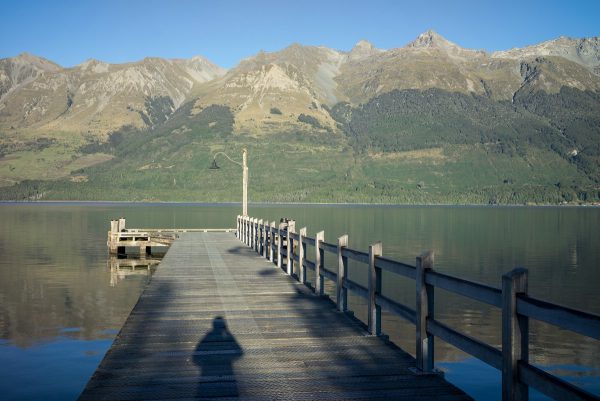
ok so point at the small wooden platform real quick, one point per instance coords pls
(219, 321)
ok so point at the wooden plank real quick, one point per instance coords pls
(342, 267)
(470, 289)
(374, 310)
(424, 310)
(575, 320)
(326, 246)
(551, 385)
(470, 345)
(515, 336)
(396, 267)
(397, 308)
(358, 256)
(356, 288)
(218, 322)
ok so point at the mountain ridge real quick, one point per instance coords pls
(532, 104)
(301, 79)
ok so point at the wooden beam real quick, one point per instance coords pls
(424, 309)
(374, 310)
(515, 336)
(342, 268)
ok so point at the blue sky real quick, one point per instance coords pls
(226, 31)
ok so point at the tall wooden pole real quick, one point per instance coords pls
(245, 182)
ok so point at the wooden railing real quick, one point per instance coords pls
(275, 244)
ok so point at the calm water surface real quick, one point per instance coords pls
(62, 300)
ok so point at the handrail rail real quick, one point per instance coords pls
(333, 248)
(470, 289)
(575, 320)
(512, 299)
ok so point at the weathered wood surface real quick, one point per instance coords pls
(220, 321)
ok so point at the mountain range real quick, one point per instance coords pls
(376, 104)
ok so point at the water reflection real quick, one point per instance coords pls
(122, 268)
(59, 290)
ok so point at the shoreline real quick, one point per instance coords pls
(266, 204)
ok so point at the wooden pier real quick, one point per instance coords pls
(143, 240)
(218, 321)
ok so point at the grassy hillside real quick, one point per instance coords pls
(401, 147)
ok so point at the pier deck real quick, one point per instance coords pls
(219, 321)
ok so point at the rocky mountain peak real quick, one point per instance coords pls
(93, 65)
(430, 38)
(363, 49)
(363, 45)
(585, 51)
(35, 61)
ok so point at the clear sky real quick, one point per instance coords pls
(226, 31)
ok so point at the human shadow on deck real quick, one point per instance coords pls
(215, 355)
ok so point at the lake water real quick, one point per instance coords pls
(62, 299)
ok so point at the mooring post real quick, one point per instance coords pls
(342, 269)
(290, 251)
(515, 336)
(114, 226)
(113, 236)
(374, 310)
(424, 311)
(301, 255)
(272, 240)
(319, 259)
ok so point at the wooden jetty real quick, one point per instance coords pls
(218, 321)
(121, 238)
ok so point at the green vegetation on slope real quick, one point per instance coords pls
(401, 147)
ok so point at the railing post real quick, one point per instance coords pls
(255, 234)
(319, 256)
(249, 231)
(373, 310)
(257, 241)
(267, 245)
(279, 244)
(290, 251)
(301, 254)
(252, 233)
(237, 227)
(515, 336)
(246, 230)
(425, 310)
(342, 268)
(272, 241)
(251, 239)
(261, 238)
